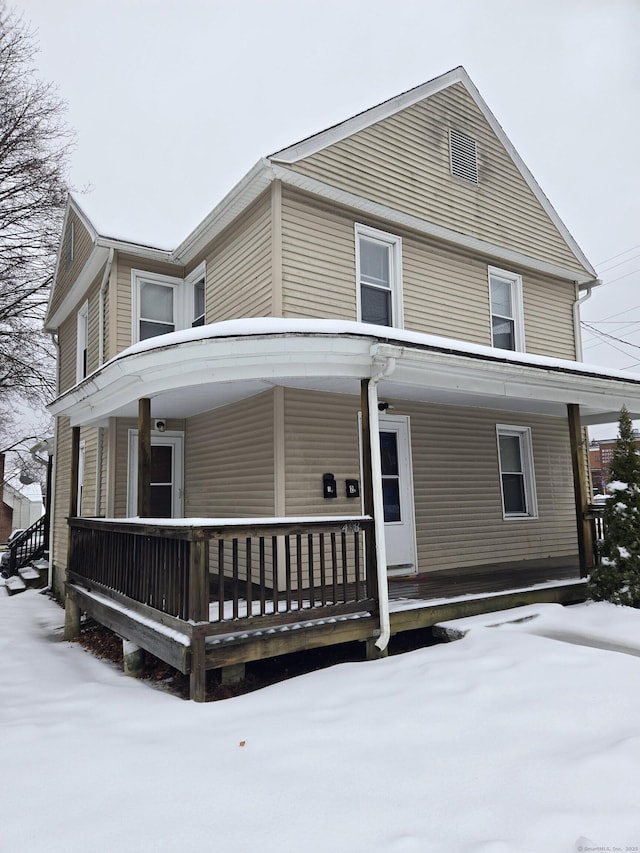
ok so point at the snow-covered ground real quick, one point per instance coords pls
(517, 738)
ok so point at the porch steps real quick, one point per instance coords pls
(456, 629)
(14, 584)
(30, 575)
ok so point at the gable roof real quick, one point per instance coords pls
(274, 167)
(319, 141)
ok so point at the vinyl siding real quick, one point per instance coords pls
(456, 478)
(239, 267)
(229, 461)
(445, 291)
(403, 162)
(457, 488)
(81, 250)
(68, 338)
(321, 436)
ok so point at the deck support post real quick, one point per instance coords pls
(144, 457)
(198, 674)
(71, 618)
(580, 488)
(132, 659)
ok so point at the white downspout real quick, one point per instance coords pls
(378, 504)
(103, 287)
(577, 334)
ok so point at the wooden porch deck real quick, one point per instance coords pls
(155, 586)
(484, 579)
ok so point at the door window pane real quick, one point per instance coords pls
(161, 463)
(389, 453)
(161, 501)
(391, 498)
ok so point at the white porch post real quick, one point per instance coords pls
(378, 515)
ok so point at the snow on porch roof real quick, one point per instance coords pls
(255, 354)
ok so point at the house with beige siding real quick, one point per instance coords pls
(352, 401)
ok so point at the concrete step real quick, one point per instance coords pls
(30, 575)
(14, 584)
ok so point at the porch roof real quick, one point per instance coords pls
(196, 370)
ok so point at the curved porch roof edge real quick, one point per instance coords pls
(199, 369)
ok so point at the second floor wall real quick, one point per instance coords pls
(292, 255)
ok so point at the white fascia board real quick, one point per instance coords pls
(319, 141)
(232, 205)
(507, 379)
(422, 226)
(71, 204)
(78, 290)
(206, 362)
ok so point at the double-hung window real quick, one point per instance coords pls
(195, 296)
(156, 305)
(507, 322)
(378, 270)
(515, 458)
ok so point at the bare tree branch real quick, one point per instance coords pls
(34, 149)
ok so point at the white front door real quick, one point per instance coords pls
(397, 493)
(166, 475)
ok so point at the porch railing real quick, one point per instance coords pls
(595, 516)
(31, 544)
(231, 574)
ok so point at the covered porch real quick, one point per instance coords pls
(206, 593)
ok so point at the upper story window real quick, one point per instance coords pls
(516, 471)
(82, 342)
(463, 156)
(195, 282)
(379, 275)
(507, 319)
(163, 304)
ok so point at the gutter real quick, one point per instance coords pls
(577, 334)
(378, 504)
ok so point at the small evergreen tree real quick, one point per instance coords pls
(617, 578)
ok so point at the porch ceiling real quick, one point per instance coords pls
(202, 369)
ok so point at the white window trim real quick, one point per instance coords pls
(526, 454)
(395, 269)
(176, 439)
(140, 276)
(516, 302)
(82, 341)
(200, 272)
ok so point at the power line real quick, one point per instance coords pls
(612, 337)
(619, 255)
(619, 264)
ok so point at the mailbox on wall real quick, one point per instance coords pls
(352, 488)
(329, 488)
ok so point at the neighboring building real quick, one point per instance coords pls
(404, 263)
(20, 505)
(600, 458)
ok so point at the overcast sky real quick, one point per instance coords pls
(173, 101)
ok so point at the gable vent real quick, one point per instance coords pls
(464, 156)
